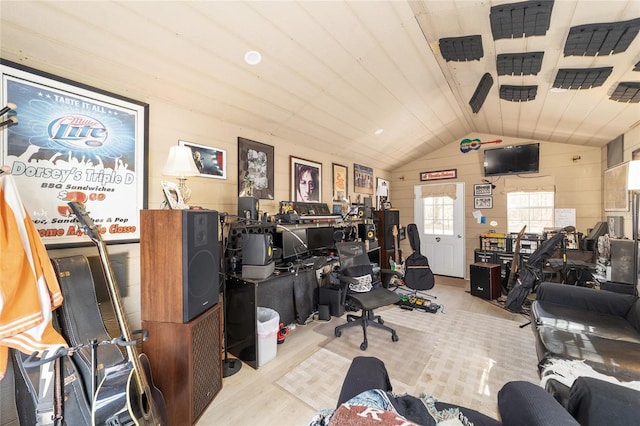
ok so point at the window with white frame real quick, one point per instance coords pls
(438, 215)
(534, 209)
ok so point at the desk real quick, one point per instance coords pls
(292, 295)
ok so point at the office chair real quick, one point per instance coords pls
(417, 274)
(364, 290)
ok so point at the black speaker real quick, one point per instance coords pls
(484, 279)
(200, 249)
(367, 231)
(248, 207)
(257, 249)
(179, 254)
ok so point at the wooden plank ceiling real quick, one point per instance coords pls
(332, 72)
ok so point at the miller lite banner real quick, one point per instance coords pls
(74, 143)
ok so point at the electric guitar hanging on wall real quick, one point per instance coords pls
(467, 145)
(396, 261)
(127, 395)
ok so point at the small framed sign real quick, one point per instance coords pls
(482, 189)
(439, 175)
(483, 202)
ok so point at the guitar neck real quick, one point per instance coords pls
(116, 301)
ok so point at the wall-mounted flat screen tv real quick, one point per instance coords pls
(512, 160)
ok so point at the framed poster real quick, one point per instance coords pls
(383, 194)
(211, 162)
(482, 189)
(340, 182)
(75, 143)
(483, 202)
(255, 168)
(363, 179)
(616, 195)
(306, 180)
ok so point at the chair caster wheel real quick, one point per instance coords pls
(363, 346)
(338, 333)
(394, 338)
(380, 321)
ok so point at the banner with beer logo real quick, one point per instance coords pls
(74, 143)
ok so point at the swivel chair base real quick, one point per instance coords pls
(368, 318)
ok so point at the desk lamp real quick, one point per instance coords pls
(633, 185)
(180, 163)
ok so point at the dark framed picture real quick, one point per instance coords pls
(74, 142)
(340, 182)
(306, 180)
(363, 179)
(255, 169)
(211, 162)
(483, 202)
(482, 189)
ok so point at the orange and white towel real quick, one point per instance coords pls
(29, 290)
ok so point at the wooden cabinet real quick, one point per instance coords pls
(186, 362)
(385, 221)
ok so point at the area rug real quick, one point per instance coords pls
(418, 344)
(457, 356)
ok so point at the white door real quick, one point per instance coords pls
(440, 221)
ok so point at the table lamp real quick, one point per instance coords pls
(180, 163)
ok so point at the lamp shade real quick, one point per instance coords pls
(180, 162)
(633, 178)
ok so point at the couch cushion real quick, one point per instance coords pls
(584, 298)
(617, 358)
(574, 320)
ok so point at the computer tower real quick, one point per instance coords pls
(621, 261)
(334, 297)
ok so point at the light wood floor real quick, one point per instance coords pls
(250, 397)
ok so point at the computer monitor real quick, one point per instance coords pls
(294, 242)
(320, 238)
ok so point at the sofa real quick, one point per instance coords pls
(602, 328)
(367, 392)
(589, 335)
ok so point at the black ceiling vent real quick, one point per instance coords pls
(581, 78)
(467, 48)
(522, 19)
(637, 67)
(627, 92)
(528, 63)
(601, 39)
(481, 92)
(518, 93)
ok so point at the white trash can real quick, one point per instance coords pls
(268, 325)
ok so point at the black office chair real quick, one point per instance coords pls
(418, 276)
(365, 290)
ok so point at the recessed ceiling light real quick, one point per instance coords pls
(557, 90)
(379, 131)
(252, 57)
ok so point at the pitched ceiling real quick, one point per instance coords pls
(333, 72)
